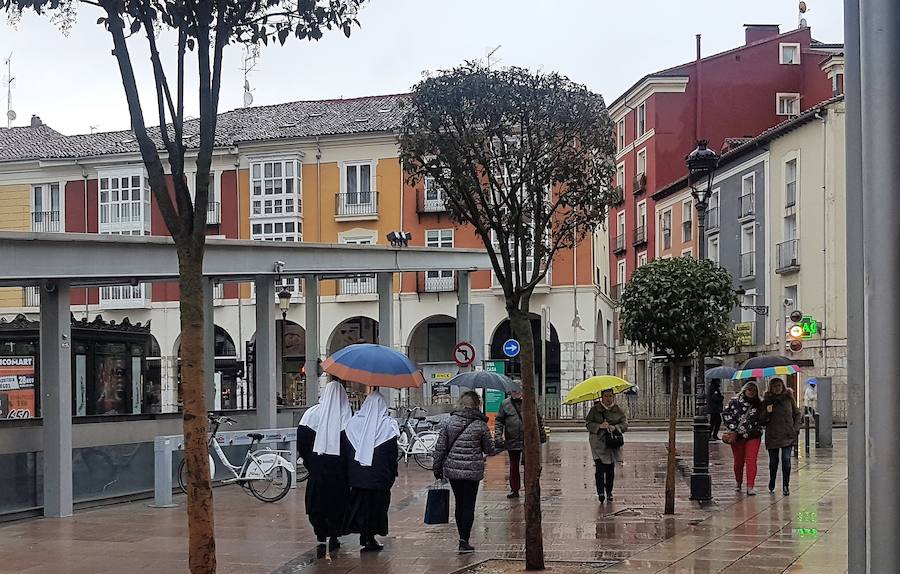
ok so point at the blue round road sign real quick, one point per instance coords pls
(511, 348)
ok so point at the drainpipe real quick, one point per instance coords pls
(84, 180)
(237, 180)
(318, 191)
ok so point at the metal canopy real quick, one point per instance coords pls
(90, 259)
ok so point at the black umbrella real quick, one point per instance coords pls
(721, 372)
(484, 380)
(766, 361)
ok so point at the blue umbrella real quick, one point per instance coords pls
(485, 380)
(374, 365)
(721, 372)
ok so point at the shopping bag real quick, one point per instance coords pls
(437, 506)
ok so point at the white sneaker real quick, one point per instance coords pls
(751, 492)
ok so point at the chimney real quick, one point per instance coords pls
(36, 121)
(756, 32)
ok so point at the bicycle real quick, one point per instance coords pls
(419, 444)
(262, 469)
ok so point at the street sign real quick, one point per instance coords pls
(495, 366)
(464, 354)
(511, 348)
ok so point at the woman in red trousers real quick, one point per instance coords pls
(743, 417)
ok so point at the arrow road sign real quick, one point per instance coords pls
(511, 348)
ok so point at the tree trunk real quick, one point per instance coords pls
(202, 543)
(670, 460)
(534, 539)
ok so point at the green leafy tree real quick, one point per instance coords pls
(202, 29)
(678, 308)
(525, 160)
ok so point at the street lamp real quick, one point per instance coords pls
(760, 310)
(701, 165)
(284, 303)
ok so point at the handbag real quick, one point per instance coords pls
(729, 437)
(437, 506)
(614, 438)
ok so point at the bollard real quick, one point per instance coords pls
(162, 471)
(806, 431)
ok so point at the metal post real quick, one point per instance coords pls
(385, 287)
(856, 326)
(701, 482)
(311, 294)
(56, 398)
(825, 419)
(209, 345)
(162, 472)
(880, 74)
(266, 363)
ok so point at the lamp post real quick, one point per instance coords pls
(701, 164)
(284, 303)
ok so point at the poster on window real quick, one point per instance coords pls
(112, 383)
(17, 399)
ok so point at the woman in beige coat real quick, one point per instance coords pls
(603, 419)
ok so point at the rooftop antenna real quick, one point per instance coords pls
(9, 80)
(251, 55)
(802, 10)
(94, 128)
(490, 55)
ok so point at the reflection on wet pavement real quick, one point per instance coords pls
(803, 533)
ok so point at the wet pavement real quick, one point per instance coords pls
(803, 533)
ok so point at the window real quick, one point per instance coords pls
(837, 84)
(620, 232)
(45, 208)
(277, 231)
(790, 227)
(213, 207)
(748, 250)
(788, 104)
(275, 188)
(435, 197)
(358, 195)
(620, 176)
(789, 54)
(748, 300)
(666, 225)
(642, 259)
(620, 276)
(712, 214)
(687, 253)
(529, 262)
(790, 183)
(687, 220)
(439, 280)
(748, 195)
(124, 206)
(641, 119)
(790, 299)
(712, 248)
(642, 162)
(620, 134)
(640, 230)
(361, 284)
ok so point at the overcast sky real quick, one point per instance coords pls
(73, 83)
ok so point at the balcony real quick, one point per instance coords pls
(435, 282)
(363, 205)
(362, 285)
(748, 265)
(618, 195)
(640, 236)
(615, 292)
(213, 213)
(46, 222)
(748, 205)
(712, 219)
(430, 202)
(788, 256)
(619, 243)
(640, 183)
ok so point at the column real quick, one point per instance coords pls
(213, 399)
(266, 367)
(385, 284)
(311, 295)
(880, 77)
(56, 398)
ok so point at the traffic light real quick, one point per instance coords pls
(796, 332)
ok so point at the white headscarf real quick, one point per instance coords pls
(370, 427)
(329, 418)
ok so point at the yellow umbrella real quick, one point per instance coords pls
(591, 389)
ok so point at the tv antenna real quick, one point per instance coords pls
(9, 80)
(490, 55)
(251, 56)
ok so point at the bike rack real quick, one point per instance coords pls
(165, 446)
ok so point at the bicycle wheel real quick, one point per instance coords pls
(274, 486)
(302, 472)
(425, 460)
(182, 475)
(425, 441)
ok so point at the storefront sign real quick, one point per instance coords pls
(17, 400)
(745, 333)
(495, 367)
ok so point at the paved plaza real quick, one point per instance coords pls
(803, 533)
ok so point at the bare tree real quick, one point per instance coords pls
(525, 159)
(203, 29)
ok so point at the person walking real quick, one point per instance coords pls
(319, 446)
(603, 422)
(715, 402)
(371, 444)
(459, 454)
(782, 419)
(509, 434)
(743, 421)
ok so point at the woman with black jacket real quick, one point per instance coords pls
(782, 418)
(319, 446)
(371, 441)
(715, 403)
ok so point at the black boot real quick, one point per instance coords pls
(334, 543)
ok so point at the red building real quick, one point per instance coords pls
(734, 94)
